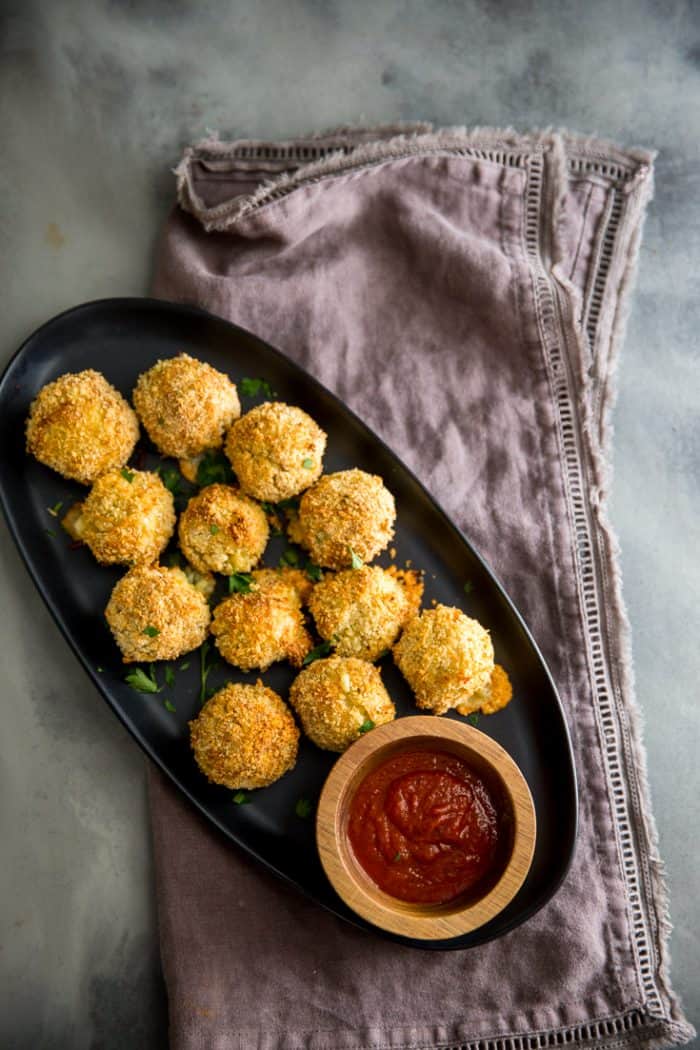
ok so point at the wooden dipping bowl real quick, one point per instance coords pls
(502, 776)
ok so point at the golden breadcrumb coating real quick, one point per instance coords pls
(80, 426)
(276, 451)
(221, 530)
(154, 613)
(127, 518)
(296, 578)
(257, 629)
(244, 737)
(445, 657)
(185, 405)
(496, 694)
(344, 514)
(338, 699)
(412, 582)
(360, 611)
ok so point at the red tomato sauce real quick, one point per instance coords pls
(424, 826)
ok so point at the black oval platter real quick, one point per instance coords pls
(123, 337)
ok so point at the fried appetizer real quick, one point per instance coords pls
(276, 451)
(186, 406)
(339, 699)
(360, 611)
(221, 530)
(492, 697)
(244, 737)
(264, 625)
(127, 518)
(80, 426)
(445, 657)
(346, 519)
(155, 613)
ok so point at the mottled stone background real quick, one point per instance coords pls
(96, 99)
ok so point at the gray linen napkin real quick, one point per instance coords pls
(465, 293)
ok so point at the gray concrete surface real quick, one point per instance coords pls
(96, 99)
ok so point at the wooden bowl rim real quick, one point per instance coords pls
(421, 922)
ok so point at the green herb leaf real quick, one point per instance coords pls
(142, 682)
(50, 532)
(151, 631)
(214, 469)
(128, 475)
(239, 583)
(355, 560)
(205, 669)
(473, 718)
(367, 725)
(169, 677)
(468, 587)
(252, 387)
(99, 670)
(307, 464)
(303, 808)
(316, 654)
(53, 511)
(314, 572)
(213, 529)
(397, 858)
(183, 667)
(171, 479)
(290, 557)
(241, 798)
(169, 705)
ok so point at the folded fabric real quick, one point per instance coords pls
(465, 293)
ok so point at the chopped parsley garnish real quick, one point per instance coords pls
(205, 668)
(367, 725)
(183, 667)
(397, 858)
(355, 560)
(252, 387)
(213, 469)
(151, 631)
(53, 511)
(241, 798)
(303, 808)
(316, 654)
(169, 676)
(213, 529)
(307, 464)
(239, 583)
(290, 557)
(100, 670)
(142, 682)
(169, 705)
(49, 532)
(468, 587)
(473, 718)
(128, 475)
(314, 572)
(171, 479)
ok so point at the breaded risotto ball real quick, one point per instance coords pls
(361, 611)
(244, 737)
(264, 625)
(276, 451)
(155, 613)
(339, 699)
(445, 656)
(127, 518)
(345, 517)
(80, 426)
(186, 406)
(221, 530)
(492, 697)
